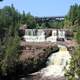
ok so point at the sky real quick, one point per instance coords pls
(41, 7)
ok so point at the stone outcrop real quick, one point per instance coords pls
(34, 56)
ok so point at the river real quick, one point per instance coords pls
(56, 64)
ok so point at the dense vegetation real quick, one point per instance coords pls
(72, 21)
(9, 39)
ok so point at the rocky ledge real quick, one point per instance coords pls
(35, 55)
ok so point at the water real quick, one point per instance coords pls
(57, 63)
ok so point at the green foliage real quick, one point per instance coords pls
(10, 55)
(42, 26)
(72, 21)
(29, 20)
(9, 40)
(67, 23)
(74, 71)
(78, 36)
(51, 24)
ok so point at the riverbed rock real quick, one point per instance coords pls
(35, 55)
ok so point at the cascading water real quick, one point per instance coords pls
(57, 63)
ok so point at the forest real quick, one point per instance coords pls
(10, 22)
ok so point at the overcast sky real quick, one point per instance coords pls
(41, 7)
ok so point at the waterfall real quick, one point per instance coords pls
(55, 68)
(57, 63)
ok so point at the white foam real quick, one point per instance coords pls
(57, 63)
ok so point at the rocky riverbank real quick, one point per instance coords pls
(55, 67)
(34, 56)
(32, 59)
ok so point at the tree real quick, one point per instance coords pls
(23, 18)
(67, 23)
(78, 35)
(74, 17)
(30, 20)
(9, 39)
